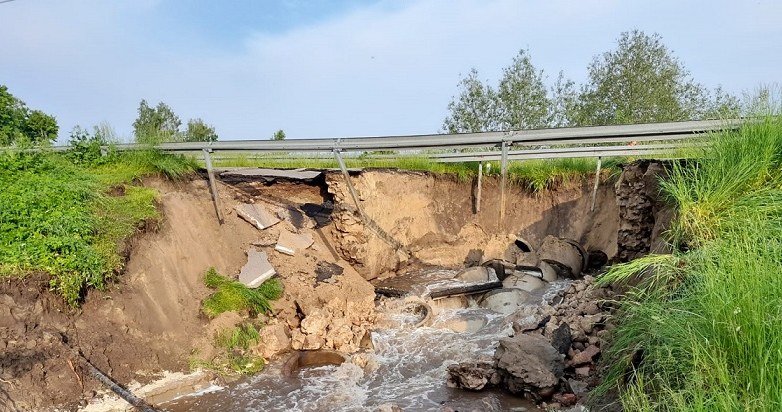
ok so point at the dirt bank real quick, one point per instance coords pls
(434, 218)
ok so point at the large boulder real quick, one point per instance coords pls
(529, 365)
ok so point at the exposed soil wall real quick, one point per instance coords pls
(433, 217)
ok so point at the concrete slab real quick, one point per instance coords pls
(290, 243)
(296, 174)
(256, 215)
(257, 269)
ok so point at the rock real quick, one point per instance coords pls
(584, 356)
(327, 270)
(561, 339)
(472, 376)
(529, 364)
(257, 269)
(565, 399)
(577, 387)
(473, 258)
(256, 215)
(583, 371)
(365, 361)
(315, 323)
(388, 408)
(290, 243)
(274, 340)
(590, 308)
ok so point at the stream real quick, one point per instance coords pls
(407, 368)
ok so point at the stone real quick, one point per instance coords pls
(290, 243)
(529, 364)
(561, 339)
(583, 371)
(565, 399)
(577, 387)
(257, 269)
(326, 271)
(471, 376)
(584, 356)
(256, 215)
(274, 340)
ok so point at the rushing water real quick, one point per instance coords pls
(407, 369)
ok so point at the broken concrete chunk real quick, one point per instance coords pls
(290, 243)
(257, 269)
(256, 215)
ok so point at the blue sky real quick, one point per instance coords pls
(342, 68)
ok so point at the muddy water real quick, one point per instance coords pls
(407, 369)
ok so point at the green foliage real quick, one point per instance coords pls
(521, 96)
(18, 124)
(199, 131)
(69, 214)
(278, 135)
(231, 295)
(234, 357)
(706, 322)
(156, 124)
(475, 108)
(642, 82)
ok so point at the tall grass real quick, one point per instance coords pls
(231, 295)
(703, 330)
(69, 216)
(533, 175)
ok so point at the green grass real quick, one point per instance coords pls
(69, 218)
(703, 329)
(533, 175)
(234, 356)
(231, 295)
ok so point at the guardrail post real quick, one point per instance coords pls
(503, 181)
(597, 182)
(346, 175)
(478, 189)
(213, 185)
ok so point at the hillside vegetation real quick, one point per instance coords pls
(703, 330)
(68, 215)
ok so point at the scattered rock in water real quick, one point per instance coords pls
(472, 376)
(529, 365)
(561, 339)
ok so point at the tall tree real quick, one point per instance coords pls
(474, 110)
(563, 102)
(18, 123)
(641, 81)
(522, 99)
(278, 135)
(199, 131)
(156, 124)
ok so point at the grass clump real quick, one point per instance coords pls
(231, 295)
(234, 357)
(69, 216)
(703, 329)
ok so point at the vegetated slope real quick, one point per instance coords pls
(703, 330)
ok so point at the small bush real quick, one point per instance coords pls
(231, 295)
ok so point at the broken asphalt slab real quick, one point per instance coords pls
(256, 215)
(257, 269)
(290, 243)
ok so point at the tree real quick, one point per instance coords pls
(474, 110)
(199, 131)
(18, 123)
(642, 82)
(563, 102)
(522, 100)
(156, 124)
(278, 135)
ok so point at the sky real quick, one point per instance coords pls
(343, 68)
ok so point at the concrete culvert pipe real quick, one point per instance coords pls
(311, 359)
(547, 272)
(564, 252)
(522, 281)
(476, 274)
(597, 259)
(501, 268)
(505, 301)
(421, 309)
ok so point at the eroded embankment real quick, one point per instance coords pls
(149, 320)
